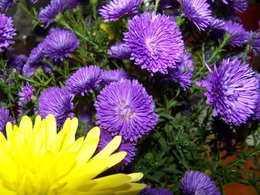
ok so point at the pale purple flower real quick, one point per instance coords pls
(155, 42)
(58, 102)
(255, 42)
(239, 35)
(256, 115)
(118, 8)
(239, 5)
(183, 73)
(5, 4)
(109, 76)
(153, 191)
(125, 146)
(196, 182)
(49, 13)
(26, 93)
(33, 61)
(17, 61)
(84, 80)
(119, 50)
(232, 90)
(60, 43)
(198, 12)
(7, 32)
(217, 24)
(124, 108)
(4, 119)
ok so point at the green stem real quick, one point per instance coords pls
(156, 5)
(24, 8)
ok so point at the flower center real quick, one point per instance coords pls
(125, 111)
(151, 45)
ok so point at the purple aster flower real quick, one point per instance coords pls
(26, 93)
(152, 191)
(256, 115)
(33, 61)
(4, 119)
(49, 13)
(198, 12)
(84, 80)
(196, 182)
(124, 108)
(58, 102)
(118, 8)
(239, 5)
(126, 146)
(5, 4)
(183, 73)
(217, 24)
(155, 42)
(232, 89)
(17, 61)
(255, 43)
(119, 50)
(60, 43)
(239, 35)
(109, 76)
(7, 32)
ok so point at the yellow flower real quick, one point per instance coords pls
(105, 27)
(38, 160)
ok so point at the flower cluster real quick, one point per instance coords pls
(7, 32)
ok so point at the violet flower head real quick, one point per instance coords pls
(58, 102)
(17, 62)
(84, 80)
(60, 43)
(155, 42)
(4, 119)
(232, 90)
(239, 35)
(26, 93)
(256, 115)
(183, 73)
(5, 5)
(49, 13)
(239, 5)
(109, 76)
(119, 50)
(118, 8)
(124, 108)
(255, 43)
(126, 146)
(7, 32)
(217, 24)
(198, 12)
(153, 191)
(196, 182)
(33, 61)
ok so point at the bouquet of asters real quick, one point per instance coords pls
(149, 97)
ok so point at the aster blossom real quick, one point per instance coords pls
(119, 50)
(44, 161)
(238, 5)
(183, 73)
(238, 34)
(17, 61)
(153, 191)
(109, 76)
(155, 42)
(255, 42)
(4, 119)
(60, 43)
(84, 80)
(127, 146)
(196, 182)
(26, 93)
(5, 4)
(7, 32)
(58, 102)
(232, 89)
(198, 12)
(124, 108)
(118, 8)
